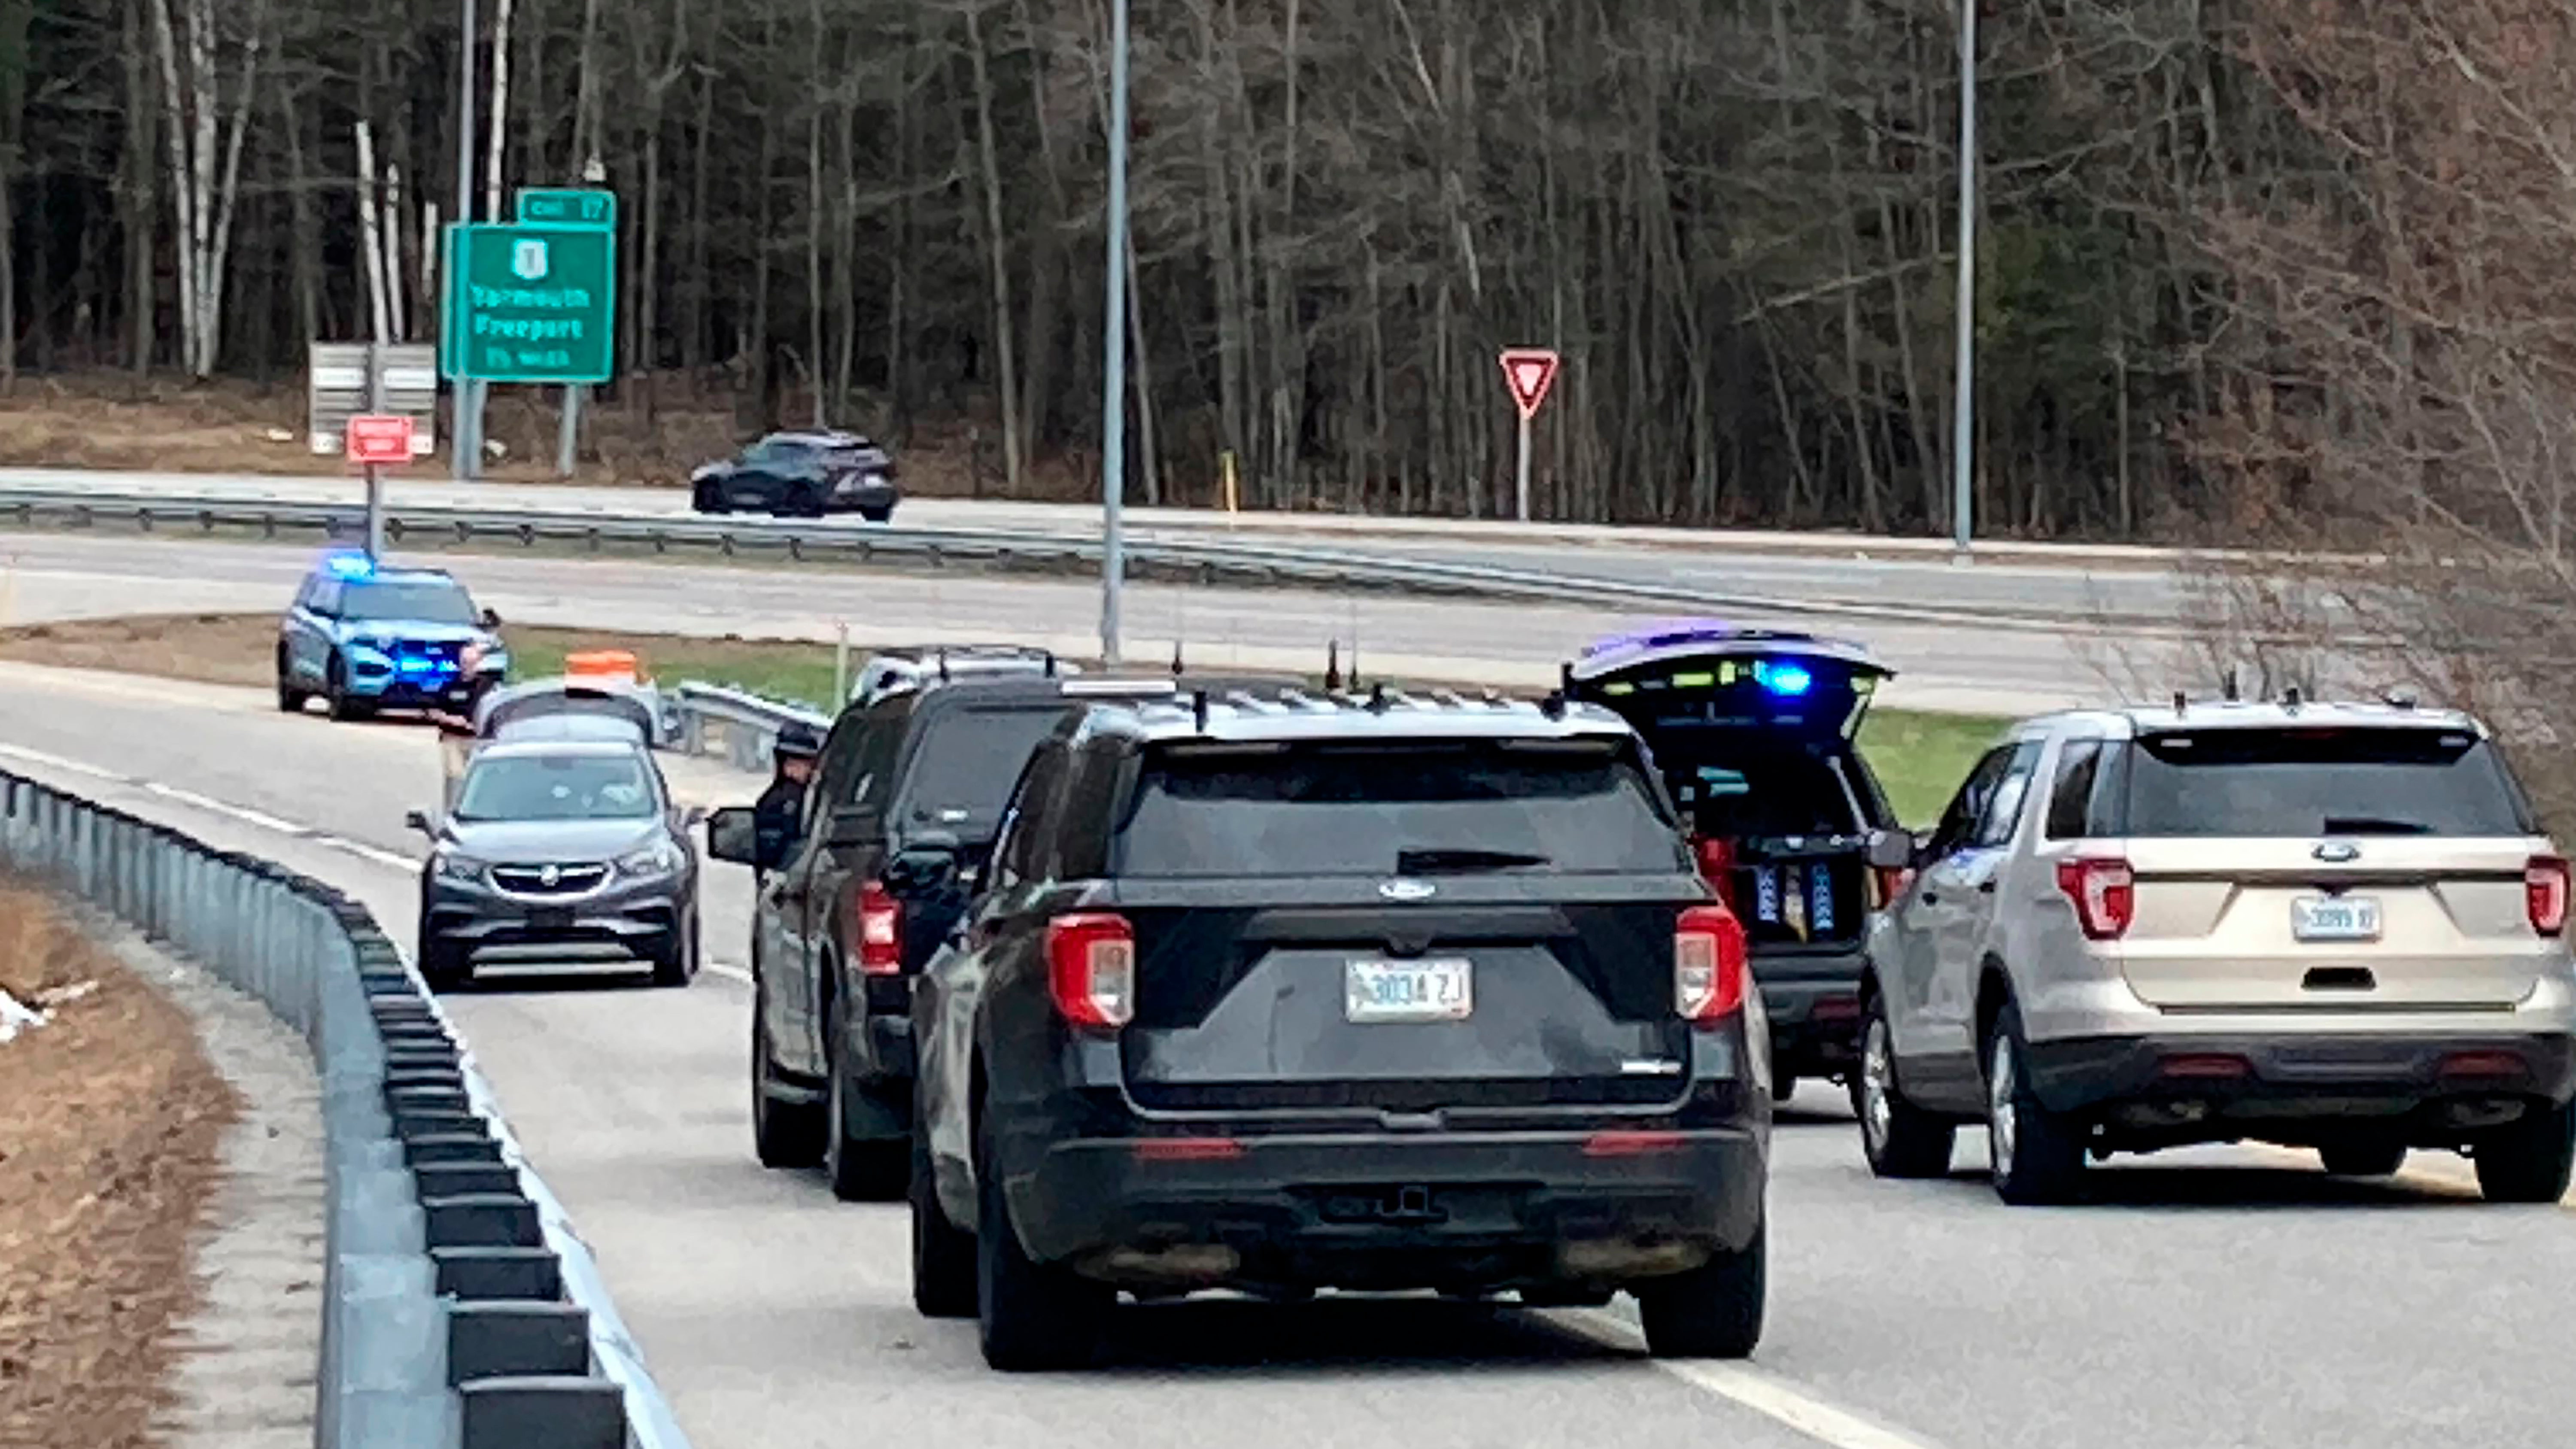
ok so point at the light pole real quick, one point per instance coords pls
(469, 417)
(1963, 408)
(1113, 371)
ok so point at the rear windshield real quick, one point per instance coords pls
(2324, 781)
(1749, 787)
(1386, 810)
(967, 762)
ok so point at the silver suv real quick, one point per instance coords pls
(2335, 927)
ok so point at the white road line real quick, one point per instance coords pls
(57, 762)
(242, 813)
(394, 858)
(1765, 1393)
(730, 973)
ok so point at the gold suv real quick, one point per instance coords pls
(2328, 926)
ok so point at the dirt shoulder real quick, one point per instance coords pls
(111, 1121)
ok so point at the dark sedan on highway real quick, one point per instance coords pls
(800, 475)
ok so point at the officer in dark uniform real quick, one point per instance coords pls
(780, 810)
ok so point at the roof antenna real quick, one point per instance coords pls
(1332, 665)
(1198, 709)
(2179, 702)
(2290, 698)
(2232, 695)
(943, 666)
(1553, 706)
(1565, 679)
(1377, 697)
(1180, 631)
(1050, 664)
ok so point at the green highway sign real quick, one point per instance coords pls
(529, 303)
(567, 206)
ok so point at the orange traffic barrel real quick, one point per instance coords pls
(602, 664)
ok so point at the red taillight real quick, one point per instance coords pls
(1717, 866)
(1091, 969)
(2484, 1064)
(2105, 894)
(2544, 893)
(1891, 881)
(2204, 1066)
(1708, 964)
(1618, 1143)
(876, 922)
(1187, 1149)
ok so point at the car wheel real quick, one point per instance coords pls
(2363, 1159)
(1712, 1311)
(2528, 1159)
(444, 965)
(943, 1254)
(2037, 1155)
(1784, 1082)
(676, 963)
(1030, 1317)
(877, 515)
(336, 698)
(783, 1134)
(861, 1170)
(1899, 1139)
(799, 502)
(290, 700)
(708, 498)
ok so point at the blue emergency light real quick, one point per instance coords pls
(1783, 677)
(349, 565)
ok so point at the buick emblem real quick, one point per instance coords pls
(2337, 852)
(550, 875)
(1406, 890)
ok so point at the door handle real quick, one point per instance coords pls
(1985, 887)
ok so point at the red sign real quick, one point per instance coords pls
(1529, 372)
(377, 441)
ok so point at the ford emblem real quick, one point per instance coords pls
(2338, 852)
(1406, 890)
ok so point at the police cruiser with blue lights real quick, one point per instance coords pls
(1754, 731)
(364, 636)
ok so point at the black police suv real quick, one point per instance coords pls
(800, 475)
(1755, 732)
(1278, 993)
(896, 823)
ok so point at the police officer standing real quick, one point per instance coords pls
(780, 810)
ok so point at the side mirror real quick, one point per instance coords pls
(733, 834)
(491, 620)
(419, 820)
(1893, 849)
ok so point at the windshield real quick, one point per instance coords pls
(968, 761)
(1410, 809)
(2292, 783)
(557, 787)
(407, 601)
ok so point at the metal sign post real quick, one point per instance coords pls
(1113, 372)
(377, 441)
(1529, 372)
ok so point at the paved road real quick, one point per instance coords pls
(2074, 583)
(50, 575)
(2231, 1298)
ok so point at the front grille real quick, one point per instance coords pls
(549, 880)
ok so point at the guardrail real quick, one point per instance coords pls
(460, 1310)
(1207, 561)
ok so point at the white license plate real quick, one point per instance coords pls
(1381, 991)
(2335, 918)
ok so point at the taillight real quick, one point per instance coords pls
(1891, 881)
(2105, 894)
(877, 920)
(1717, 866)
(2544, 893)
(1708, 964)
(1091, 969)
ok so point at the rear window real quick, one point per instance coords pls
(2281, 783)
(1753, 788)
(968, 759)
(1386, 810)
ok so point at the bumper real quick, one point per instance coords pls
(1392, 1212)
(1814, 1006)
(381, 683)
(640, 918)
(2293, 1077)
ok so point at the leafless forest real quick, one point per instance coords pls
(2284, 268)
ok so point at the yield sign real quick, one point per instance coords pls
(1529, 372)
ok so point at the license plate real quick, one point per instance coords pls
(1382, 991)
(2335, 918)
(551, 918)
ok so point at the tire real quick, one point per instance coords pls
(443, 966)
(877, 515)
(801, 503)
(290, 700)
(337, 700)
(2038, 1155)
(1784, 1083)
(1900, 1140)
(1712, 1311)
(869, 1171)
(676, 964)
(1029, 1317)
(2528, 1160)
(2363, 1159)
(943, 1254)
(708, 498)
(783, 1134)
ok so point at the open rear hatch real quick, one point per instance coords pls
(1752, 731)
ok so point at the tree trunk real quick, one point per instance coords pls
(1006, 371)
